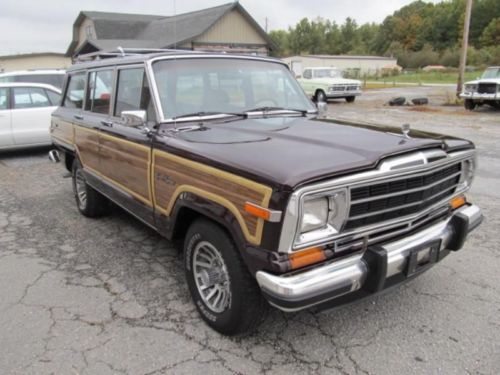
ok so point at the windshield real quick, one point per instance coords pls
(225, 85)
(327, 73)
(491, 73)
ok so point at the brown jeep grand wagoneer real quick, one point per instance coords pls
(274, 204)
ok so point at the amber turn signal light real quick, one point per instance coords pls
(307, 257)
(263, 213)
(457, 202)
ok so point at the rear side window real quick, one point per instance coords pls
(133, 92)
(75, 91)
(54, 97)
(3, 98)
(99, 92)
(30, 97)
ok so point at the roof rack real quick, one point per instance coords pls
(123, 52)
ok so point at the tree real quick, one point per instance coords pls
(491, 34)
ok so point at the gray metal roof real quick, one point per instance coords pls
(150, 31)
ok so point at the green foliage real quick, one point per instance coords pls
(420, 33)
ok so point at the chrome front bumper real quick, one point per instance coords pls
(480, 96)
(379, 267)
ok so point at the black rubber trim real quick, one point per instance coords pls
(375, 258)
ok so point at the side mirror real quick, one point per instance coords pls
(133, 118)
(298, 76)
(322, 109)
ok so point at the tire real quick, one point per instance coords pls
(469, 104)
(350, 99)
(420, 101)
(401, 100)
(236, 306)
(88, 201)
(320, 96)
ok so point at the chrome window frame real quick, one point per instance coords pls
(384, 173)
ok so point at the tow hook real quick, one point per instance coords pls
(54, 156)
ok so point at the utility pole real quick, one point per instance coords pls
(465, 40)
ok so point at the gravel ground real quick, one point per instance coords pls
(82, 296)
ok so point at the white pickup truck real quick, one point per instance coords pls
(327, 83)
(485, 90)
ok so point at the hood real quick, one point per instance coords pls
(290, 151)
(486, 80)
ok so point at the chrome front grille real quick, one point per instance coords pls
(379, 202)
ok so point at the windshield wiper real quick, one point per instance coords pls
(209, 113)
(272, 109)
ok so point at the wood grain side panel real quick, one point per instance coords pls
(63, 131)
(87, 145)
(175, 175)
(126, 164)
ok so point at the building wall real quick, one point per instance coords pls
(12, 63)
(365, 65)
(232, 28)
(82, 33)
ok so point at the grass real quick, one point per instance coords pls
(419, 78)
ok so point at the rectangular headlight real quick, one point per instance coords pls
(323, 215)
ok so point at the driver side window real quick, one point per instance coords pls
(308, 74)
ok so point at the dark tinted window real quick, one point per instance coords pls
(75, 91)
(50, 79)
(30, 97)
(133, 92)
(3, 99)
(99, 92)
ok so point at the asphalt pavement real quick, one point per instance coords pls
(108, 296)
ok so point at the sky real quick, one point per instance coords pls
(46, 26)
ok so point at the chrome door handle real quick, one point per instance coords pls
(78, 117)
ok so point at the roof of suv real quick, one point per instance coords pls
(140, 58)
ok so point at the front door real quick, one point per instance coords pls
(6, 139)
(125, 152)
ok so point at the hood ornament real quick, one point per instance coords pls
(405, 129)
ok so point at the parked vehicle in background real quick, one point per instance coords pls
(25, 110)
(54, 77)
(485, 90)
(273, 203)
(322, 84)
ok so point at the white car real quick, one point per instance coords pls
(25, 114)
(485, 90)
(54, 77)
(328, 83)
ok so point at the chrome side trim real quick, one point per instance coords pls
(382, 173)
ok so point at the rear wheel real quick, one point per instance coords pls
(350, 99)
(225, 294)
(89, 202)
(469, 104)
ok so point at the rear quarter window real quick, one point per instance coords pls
(75, 91)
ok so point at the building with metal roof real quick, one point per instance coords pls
(227, 27)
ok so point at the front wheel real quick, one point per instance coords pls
(225, 294)
(320, 96)
(350, 99)
(469, 104)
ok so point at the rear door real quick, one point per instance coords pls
(31, 111)
(6, 139)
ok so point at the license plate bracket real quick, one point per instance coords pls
(416, 265)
